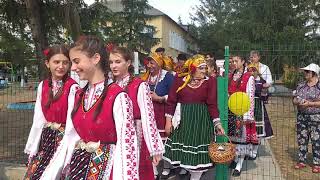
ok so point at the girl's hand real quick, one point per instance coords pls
(155, 97)
(156, 159)
(168, 127)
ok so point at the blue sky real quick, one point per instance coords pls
(173, 8)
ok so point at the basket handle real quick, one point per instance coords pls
(215, 139)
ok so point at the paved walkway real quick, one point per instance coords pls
(263, 168)
(12, 171)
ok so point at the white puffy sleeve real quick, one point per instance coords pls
(250, 90)
(63, 154)
(266, 74)
(149, 127)
(125, 162)
(39, 121)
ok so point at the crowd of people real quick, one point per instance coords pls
(119, 126)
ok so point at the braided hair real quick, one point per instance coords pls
(49, 53)
(90, 45)
(244, 67)
(127, 55)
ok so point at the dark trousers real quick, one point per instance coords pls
(308, 127)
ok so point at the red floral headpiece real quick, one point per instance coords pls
(109, 47)
(46, 52)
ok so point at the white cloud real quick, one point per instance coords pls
(176, 8)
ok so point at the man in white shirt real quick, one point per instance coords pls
(263, 69)
(265, 78)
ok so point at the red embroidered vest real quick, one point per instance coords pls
(102, 128)
(132, 90)
(242, 86)
(57, 111)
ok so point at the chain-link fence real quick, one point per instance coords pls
(16, 112)
(278, 155)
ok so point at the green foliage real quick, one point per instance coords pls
(95, 19)
(15, 40)
(129, 26)
(292, 79)
(254, 23)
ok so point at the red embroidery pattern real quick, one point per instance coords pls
(130, 134)
(152, 124)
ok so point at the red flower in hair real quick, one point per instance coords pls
(109, 47)
(46, 52)
(145, 61)
(193, 68)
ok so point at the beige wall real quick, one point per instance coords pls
(163, 27)
(157, 23)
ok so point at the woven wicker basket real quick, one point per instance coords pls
(222, 153)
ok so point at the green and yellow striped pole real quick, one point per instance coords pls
(221, 169)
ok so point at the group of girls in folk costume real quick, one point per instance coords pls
(197, 95)
(100, 140)
(149, 140)
(242, 129)
(54, 100)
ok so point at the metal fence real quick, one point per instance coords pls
(16, 112)
(276, 156)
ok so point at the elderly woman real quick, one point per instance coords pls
(187, 146)
(307, 100)
(159, 81)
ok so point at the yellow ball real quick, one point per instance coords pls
(239, 103)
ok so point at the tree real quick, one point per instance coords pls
(250, 24)
(15, 38)
(129, 26)
(37, 23)
(96, 19)
(180, 20)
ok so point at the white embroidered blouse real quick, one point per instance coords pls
(146, 126)
(119, 162)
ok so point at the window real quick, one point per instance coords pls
(177, 42)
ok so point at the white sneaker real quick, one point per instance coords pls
(165, 172)
(183, 172)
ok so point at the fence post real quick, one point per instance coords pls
(221, 169)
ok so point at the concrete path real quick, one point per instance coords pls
(12, 171)
(263, 168)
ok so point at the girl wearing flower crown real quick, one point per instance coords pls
(101, 141)
(55, 98)
(149, 140)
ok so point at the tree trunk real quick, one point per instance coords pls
(72, 19)
(38, 33)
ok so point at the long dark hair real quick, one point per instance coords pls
(242, 58)
(49, 52)
(91, 45)
(127, 56)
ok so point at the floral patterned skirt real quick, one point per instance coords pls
(50, 140)
(242, 132)
(90, 165)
